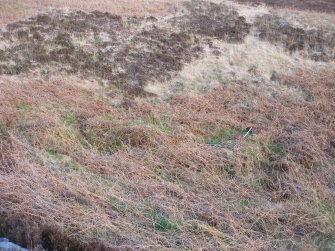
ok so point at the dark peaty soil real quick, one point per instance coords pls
(127, 53)
(318, 44)
(122, 52)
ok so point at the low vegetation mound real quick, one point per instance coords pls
(318, 44)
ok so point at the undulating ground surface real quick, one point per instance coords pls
(117, 130)
(311, 5)
(14, 10)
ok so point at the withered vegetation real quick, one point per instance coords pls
(85, 166)
(310, 5)
(141, 176)
(127, 53)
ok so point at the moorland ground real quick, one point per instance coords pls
(117, 121)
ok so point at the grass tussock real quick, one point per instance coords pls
(141, 176)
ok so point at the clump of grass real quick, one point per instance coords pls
(162, 222)
(327, 208)
(275, 153)
(110, 136)
(245, 204)
(10, 69)
(259, 183)
(277, 149)
(69, 119)
(162, 125)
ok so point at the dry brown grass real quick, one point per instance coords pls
(159, 187)
(311, 5)
(79, 170)
(14, 10)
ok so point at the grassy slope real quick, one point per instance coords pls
(162, 187)
(76, 170)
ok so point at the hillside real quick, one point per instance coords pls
(119, 124)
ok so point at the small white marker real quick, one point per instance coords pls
(247, 133)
